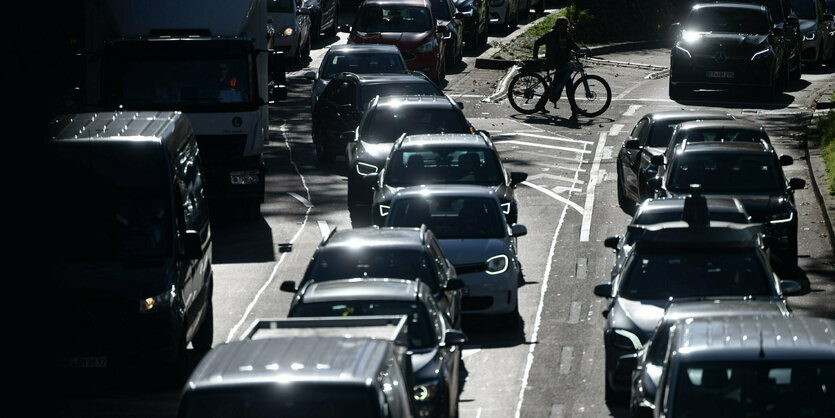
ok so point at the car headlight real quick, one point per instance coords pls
(427, 47)
(288, 31)
(506, 208)
(809, 36)
(496, 264)
(627, 340)
(765, 53)
(682, 52)
(365, 168)
(779, 218)
(159, 302)
(384, 210)
(426, 391)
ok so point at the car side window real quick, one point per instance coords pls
(639, 131)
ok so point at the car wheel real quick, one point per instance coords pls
(315, 29)
(440, 73)
(482, 38)
(323, 155)
(202, 341)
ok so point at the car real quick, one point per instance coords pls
(383, 124)
(504, 13)
(340, 107)
(729, 45)
(401, 253)
(650, 137)
(716, 131)
(475, 18)
(135, 240)
(356, 59)
(749, 366)
(324, 17)
(784, 17)
(468, 222)
(437, 159)
(647, 364)
(758, 182)
(816, 24)
(291, 21)
(407, 24)
(699, 258)
(436, 355)
(447, 15)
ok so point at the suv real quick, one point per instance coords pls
(729, 45)
(783, 15)
(751, 172)
(749, 366)
(443, 159)
(400, 253)
(436, 355)
(135, 241)
(346, 97)
(407, 24)
(386, 120)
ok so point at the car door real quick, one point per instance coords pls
(339, 111)
(630, 159)
(450, 301)
(456, 28)
(449, 355)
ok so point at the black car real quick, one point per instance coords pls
(716, 131)
(751, 172)
(475, 15)
(385, 121)
(434, 343)
(650, 137)
(448, 16)
(784, 16)
(324, 16)
(729, 45)
(401, 253)
(344, 100)
(443, 159)
(699, 258)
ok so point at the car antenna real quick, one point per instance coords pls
(695, 211)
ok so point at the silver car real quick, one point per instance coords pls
(291, 22)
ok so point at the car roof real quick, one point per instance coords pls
(364, 289)
(721, 124)
(680, 235)
(325, 359)
(674, 205)
(364, 48)
(444, 140)
(751, 6)
(391, 238)
(455, 190)
(687, 114)
(728, 306)
(411, 101)
(724, 147)
(387, 78)
(758, 338)
(417, 3)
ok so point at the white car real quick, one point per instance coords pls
(504, 12)
(291, 22)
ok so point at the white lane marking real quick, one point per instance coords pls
(566, 355)
(555, 196)
(630, 89)
(593, 175)
(632, 109)
(551, 138)
(538, 320)
(478, 413)
(533, 144)
(324, 229)
(551, 176)
(553, 157)
(304, 201)
(582, 269)
(574, 312)
(283, 255)
(615, 129)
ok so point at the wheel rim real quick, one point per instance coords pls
(596, 100)
(526, 92)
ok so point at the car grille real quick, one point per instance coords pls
(470, 268)
(216, 149)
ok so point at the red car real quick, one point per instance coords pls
(407, 24)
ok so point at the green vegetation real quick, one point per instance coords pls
(521, 48)
(826, 129)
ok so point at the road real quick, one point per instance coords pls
(551, 365)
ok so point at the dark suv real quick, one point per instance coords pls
(386, 120)
(729, 45)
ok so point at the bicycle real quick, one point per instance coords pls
(529, 90)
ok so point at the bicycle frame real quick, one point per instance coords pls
(550, 76)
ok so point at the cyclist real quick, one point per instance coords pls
(558, 46)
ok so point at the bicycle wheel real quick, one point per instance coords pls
(526, 91)
(594, 103)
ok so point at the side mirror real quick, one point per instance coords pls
(654, 183)
(631, 143)
(603, 290)
(455, 284)
(657, 159)
(460, 105)
(192, 245)
(454, 337)
(347, 136)
(518, 230)
(612, 242)
(797, 184)
(277, 92)
(790, 287)
(517, 177)
(288, 286)
(370, 180)
(786, 160)
(310, 75)
(345, 28)
(628, 362)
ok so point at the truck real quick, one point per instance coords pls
(206, 58)
(318, 367)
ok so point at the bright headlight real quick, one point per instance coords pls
(427, 47)
(384, 210)
(761, 54)
(809, 36)
(779, 218)
(496, 264)
(365, 168)
(426, 391)
(158, 302)
(288, 31)
(622, 338)
(506, 208)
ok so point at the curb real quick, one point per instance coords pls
(817, 168)
(502, 64)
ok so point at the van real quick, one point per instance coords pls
(130, 226)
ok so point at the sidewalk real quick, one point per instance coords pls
(820, 180)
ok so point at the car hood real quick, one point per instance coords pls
(375, 153)
(808, 25)
(472, 251)
(637, 315)
(760, 206)
(400, 39)
(731, 43)
(114, 279)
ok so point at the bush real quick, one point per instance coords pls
(826, 130)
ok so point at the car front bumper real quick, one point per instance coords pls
(490, 294)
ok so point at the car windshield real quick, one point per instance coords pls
(726, 173)
(280, 6)
(805, 9)
(444, 165)
(695, 273)
(115, 202)
(298, 399)
(421, 335)
(386, 124)
(425, 88)
(728, 19)
(755, 389)
(361, 63)
(393, 18)
(450, 217)
(373, 262)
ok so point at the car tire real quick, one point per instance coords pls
(510, 320)
(316, 29)
(202, 341)
(440, 74)
(624, 202)
(305, 53)
(512, 23)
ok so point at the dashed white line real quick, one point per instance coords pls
(574, 312)
(615, 129)
(551, 138)
(593, 176)
(632, 109)
(566, 356)
(534, 144)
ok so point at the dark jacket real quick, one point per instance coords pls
(558, 47)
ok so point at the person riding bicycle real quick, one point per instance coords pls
(558, 46)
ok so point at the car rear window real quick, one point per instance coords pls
(450, 216)
(444, 165)
(425, 88)
(392, 18)
(726, 173)
(373, 262)
(386, 124)
(361, 63)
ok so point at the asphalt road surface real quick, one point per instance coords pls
(551, 364)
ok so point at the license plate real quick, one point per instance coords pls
(86, 362)
(720, 74)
